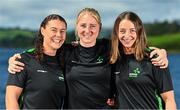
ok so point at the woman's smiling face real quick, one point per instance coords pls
(127, 34)
(88, 30)
(54, 34)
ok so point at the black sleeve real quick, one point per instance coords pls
(19, 79)
(163, 79)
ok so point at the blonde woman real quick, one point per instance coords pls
(88, 71)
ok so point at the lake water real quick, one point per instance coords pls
(174, 65)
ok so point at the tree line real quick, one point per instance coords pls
(17, 37)
(161, 28)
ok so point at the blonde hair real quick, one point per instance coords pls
(91, 11)
(140, 43)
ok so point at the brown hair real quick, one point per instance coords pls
(140, 43)
(91, 11)
(39, 40)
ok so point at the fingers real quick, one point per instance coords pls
(164, 66)
(17, 56)
(12, 60)
(154, 53)
(156, 59)
(160, 62)
(15, 66)
(11, 71)
(14, 57)
(157, 63)
(160, 58)
(164, 63)
(110, 102)
(18, 63)
(164, 53)
(164, 58)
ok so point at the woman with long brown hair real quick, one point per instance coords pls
(140, 84)
(87, 67)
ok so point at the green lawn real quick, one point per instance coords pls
(11, 33)
(170, 42)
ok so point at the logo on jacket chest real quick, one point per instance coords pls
(100, 59)
(134, 73)
(61, 77)
(41, 71)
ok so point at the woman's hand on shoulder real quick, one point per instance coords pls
(14, 65)
(161, 59)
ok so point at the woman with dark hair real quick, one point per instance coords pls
(140, 84)
(41, 83)
(87, 67)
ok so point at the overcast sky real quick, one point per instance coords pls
(30, 13)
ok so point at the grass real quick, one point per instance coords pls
(170, 42)
(11, 33)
